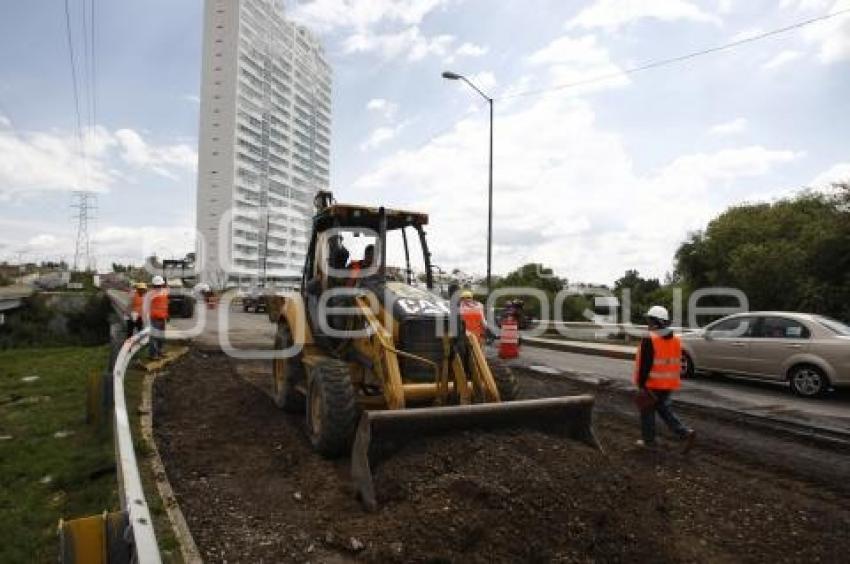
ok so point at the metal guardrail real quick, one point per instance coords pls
(129, 481)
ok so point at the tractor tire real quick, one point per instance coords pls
(287, 374)
(506, 381)
(332, 411)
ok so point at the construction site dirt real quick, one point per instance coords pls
(252, 490)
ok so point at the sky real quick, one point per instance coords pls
(591, 180)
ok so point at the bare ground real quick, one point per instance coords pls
(253, 491)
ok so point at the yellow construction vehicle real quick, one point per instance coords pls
(373, 355)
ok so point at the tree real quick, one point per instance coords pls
(793, 254)
(643, 293)
(532, 275)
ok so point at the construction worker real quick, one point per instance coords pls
(472, 313)
(357, 266)
(158, 315)
(137, 300)
(657, 376)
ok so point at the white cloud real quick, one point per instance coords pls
(471, 50)
(575, 59)
(327, 15)
(839, 172)
(832, 37)
(390, 27)
(39, 240)
(160, 159)
(485, 80)
(613, 14)
(737, 125)
(5, 122)
(748, 33)
(378, 137)
(805, 5)
(193, 98)
(53, 161)
(386, 108)
(782, 58)
(554, 201)
(408, 43)
(381, 135)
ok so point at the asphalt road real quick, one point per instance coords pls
(751, 397)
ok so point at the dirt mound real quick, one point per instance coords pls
(253, 491)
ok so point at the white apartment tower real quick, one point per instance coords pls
(264, 143)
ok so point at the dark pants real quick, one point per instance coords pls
(134, 326)
(664, 408)
(157, 343)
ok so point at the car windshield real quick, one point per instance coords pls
(834, 325)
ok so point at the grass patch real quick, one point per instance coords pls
(46, 476)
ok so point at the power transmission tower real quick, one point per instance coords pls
(85, 203)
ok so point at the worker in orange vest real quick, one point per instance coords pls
(658, 365)
(158, 315)
(137, 299)
(356, 267)
(472, 313)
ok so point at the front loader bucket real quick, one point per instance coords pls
(570, 416)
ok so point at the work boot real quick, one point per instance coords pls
(689, 439)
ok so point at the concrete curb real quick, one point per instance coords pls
(188, 548)
(621, 352)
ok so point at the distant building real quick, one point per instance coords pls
(264, 142)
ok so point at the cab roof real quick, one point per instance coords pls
(350, 215)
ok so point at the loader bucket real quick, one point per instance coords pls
(570, 416)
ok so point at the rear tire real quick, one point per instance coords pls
(332, 412)
(287, 374)
(688, 369)
(506, 381)
(808, 381)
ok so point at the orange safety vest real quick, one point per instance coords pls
(472, 313)
(665, 373)
(138, 301)
(159, 304)
(354, 275)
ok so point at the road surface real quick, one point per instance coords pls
(751, 397)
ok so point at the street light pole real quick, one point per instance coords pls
(454, 76)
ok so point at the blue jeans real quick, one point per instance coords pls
(664, 408)
(156, 344)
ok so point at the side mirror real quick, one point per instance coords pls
(706, 335)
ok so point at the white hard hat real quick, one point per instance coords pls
(158, 281)
(658, 312)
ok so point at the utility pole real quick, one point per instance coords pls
(84, 205)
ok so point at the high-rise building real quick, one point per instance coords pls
(264, 143)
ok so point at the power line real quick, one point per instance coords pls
(678, 59)
(93, 67)
(74, 79)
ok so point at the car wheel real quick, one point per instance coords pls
(688, 369)
(808, 381)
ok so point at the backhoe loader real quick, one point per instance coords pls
(376, 360)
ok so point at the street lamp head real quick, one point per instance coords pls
(451, 75)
